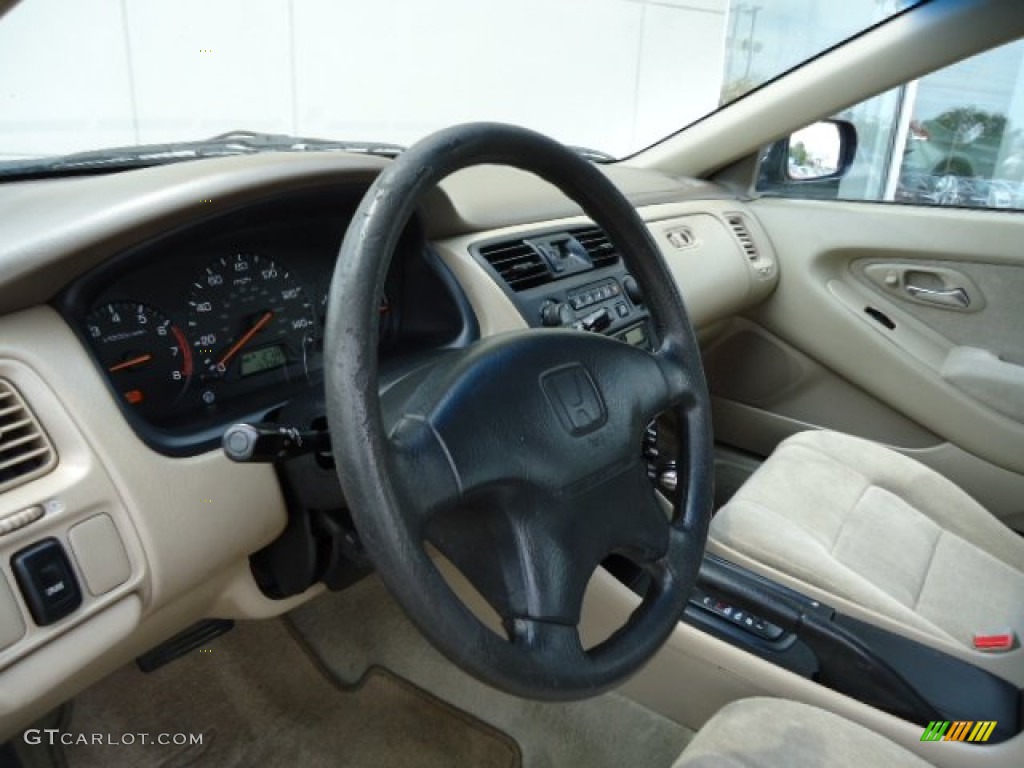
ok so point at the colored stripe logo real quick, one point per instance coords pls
(959, 730)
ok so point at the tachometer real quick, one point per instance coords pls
(248, 316)
(147, 358)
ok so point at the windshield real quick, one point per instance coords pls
(610, 75)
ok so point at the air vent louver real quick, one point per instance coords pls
(739, 228)
(25, 450)
(518, 264)
(598, 246)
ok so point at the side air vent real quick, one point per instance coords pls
(739, 228)
(597, 245)
(518, 263)
(25, 450)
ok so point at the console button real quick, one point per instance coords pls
(46, 581)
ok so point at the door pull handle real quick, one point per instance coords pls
(952, 297)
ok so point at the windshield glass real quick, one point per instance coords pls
(610, 75)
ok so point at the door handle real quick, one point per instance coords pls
(951, 297)
(929, 284)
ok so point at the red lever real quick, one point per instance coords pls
(1001, 640)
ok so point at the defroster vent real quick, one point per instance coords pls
(25, 450)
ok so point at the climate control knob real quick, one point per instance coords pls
(556, 314)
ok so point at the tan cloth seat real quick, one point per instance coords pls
(775, 733)
(881, 530)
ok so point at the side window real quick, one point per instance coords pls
(955, 137)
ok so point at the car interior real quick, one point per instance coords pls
(489, 454)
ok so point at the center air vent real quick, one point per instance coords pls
(537, 260)
(518, 264)
(739, 228)
(25, 450)
(600, 249)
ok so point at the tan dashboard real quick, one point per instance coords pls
(156, 543)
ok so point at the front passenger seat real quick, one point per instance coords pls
(776, 733)
(870, 525)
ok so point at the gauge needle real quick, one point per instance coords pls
(259, 326)
(130, 363)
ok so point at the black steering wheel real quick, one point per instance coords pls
(519, 457)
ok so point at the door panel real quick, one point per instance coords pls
(994, 294)
(939, 381)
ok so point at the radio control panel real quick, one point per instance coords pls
(609, 305)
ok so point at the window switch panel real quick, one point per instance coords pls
(752, 623)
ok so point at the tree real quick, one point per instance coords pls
(798, 154)
(963, 121)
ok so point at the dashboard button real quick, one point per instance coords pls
(46, 581)
(18, 520)
(100, 554)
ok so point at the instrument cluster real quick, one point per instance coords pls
(224, 320)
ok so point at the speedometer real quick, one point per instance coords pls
(248, 316)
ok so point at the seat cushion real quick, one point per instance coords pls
(882, 530)
(776, 733)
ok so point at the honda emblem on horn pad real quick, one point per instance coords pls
(575, 398)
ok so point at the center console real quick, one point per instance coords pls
(807, 637)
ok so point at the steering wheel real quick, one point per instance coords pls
(518, 457)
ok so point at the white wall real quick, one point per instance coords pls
(614, 75)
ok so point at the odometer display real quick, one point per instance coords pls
(260, 360)
(146, 357)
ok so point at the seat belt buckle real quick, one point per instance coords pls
(995, 641)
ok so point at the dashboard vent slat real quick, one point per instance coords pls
(9, 445)
(739, 228)
(596, 243)
(4, 411)
(25, 450)
(518, 264)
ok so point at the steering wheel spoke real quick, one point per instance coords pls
(675, 363)
(553, 641)
(426, 481)
(533, 569)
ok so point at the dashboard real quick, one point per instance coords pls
(224, 320)
(144, 312)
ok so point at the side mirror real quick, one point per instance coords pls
(816, 152)
(811, 161)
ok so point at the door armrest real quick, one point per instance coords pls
(982, 375)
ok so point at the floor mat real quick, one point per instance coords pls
(363, 626)
(258, 699)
